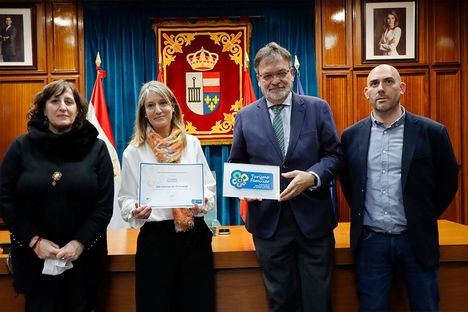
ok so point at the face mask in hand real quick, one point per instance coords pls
(56, 266)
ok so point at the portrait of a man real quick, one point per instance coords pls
(16, 37)
(8, 37)
(11, 38)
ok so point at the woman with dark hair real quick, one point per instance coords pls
(391, 36)
(56, 197)
(174, 259)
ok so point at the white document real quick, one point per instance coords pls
(171, 185)
(251, 181)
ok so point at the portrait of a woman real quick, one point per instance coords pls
(391, 35)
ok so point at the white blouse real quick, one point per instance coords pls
(128, 194)
(389, 41)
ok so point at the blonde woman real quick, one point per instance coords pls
(174, 262)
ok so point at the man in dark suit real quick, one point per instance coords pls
(293, 236)
(400, 176)
(8, 38)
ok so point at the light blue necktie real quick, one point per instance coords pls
(278, 125)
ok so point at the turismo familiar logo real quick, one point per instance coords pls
(252, 180)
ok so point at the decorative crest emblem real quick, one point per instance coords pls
(202, 91)
(202, 60)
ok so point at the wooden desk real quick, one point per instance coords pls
(4, 239)
(239, 284)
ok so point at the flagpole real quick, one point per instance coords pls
(299, 89)
(98, 61)
(296, 63)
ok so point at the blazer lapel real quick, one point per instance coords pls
(297, 120)
(364, 137)
(409, 144)
(270, 132)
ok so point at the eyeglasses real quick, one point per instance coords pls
(162, 106)
(270, 76)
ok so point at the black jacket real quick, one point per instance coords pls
(428, 177)
(78, 207)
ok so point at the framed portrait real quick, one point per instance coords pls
(389, 31)
(17, 37)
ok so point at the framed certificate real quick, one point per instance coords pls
(251, 181)
(171, 185)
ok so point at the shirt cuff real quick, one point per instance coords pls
(318, 184)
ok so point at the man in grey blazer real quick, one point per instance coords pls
(400, 176)
(293, 236)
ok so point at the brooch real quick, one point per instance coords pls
(56, 176)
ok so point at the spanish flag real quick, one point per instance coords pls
(98, 115)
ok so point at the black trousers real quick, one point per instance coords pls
(296, 269)
(174, 271)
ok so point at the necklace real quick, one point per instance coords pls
(56, 176)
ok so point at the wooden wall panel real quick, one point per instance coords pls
(41, 38)
(423, 32)
(337, 91)
(362, 107)
(415, 99)
(334, 35)
(65, 38)
(356, 45)
(70, 78)
(17, 96)
(464, 136)
(446, 31)
(446, 103)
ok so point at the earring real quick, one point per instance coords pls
(46, 120)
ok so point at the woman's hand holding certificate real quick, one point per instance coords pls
(142, 212)
(200, 209)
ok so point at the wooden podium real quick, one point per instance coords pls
(239, 284)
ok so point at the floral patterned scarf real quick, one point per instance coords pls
(169, 150)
